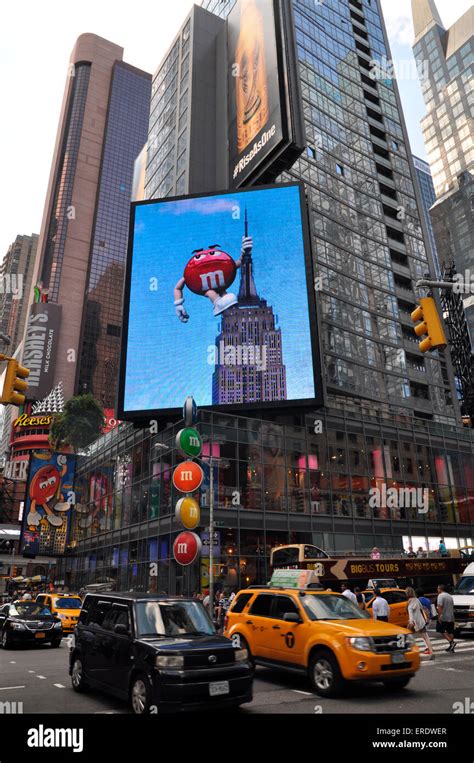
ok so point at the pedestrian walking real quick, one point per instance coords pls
(360, 599)
(418, 620)
(346, 591)
(222, 608)
(380, 608)
(427, 604)
(445, 625)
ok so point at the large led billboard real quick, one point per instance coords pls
(219, 303)
(264, 104)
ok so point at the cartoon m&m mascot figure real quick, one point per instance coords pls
(209, 273)
(45, 494)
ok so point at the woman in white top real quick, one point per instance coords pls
(417, 621)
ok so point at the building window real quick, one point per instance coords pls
(310, 152)
(339, 169)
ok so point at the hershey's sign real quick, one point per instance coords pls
(41, 343)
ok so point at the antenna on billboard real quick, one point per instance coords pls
(246, 223)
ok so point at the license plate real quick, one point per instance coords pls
(397, 658)
(40, 635)
(219, 688)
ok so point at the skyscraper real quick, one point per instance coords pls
(428, 198)
(292, 474)
(16, 273)
(102, 127)
(249, 364)
(448, 131)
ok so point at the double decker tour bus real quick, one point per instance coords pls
(426, 573)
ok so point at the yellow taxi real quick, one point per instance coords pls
(320, 634)
(397, 601)
(65, 606)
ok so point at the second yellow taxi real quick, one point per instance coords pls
(320, 634)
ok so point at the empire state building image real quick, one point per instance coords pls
(249, 364)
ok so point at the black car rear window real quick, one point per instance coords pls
(240, 601)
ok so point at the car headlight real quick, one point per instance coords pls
(360, 642)
(18, 626)
(410, 639)
(169, 662)
(62, 617)
(58, 625)
(241, 654)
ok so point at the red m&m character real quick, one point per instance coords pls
(209, 273)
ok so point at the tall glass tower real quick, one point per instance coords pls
(448, 131)
(368, 233)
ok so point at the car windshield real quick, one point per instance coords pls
(466, 585)
(68, 603)
(331, 607)
(29, 609)
(172, 618)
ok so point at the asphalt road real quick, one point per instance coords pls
(38, 678)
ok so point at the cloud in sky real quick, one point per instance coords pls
(201, 206)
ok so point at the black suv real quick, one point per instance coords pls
(159, 652)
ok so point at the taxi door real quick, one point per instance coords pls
(399, 608)
(286, 638)
(258, 625)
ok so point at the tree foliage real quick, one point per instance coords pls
(81, 422)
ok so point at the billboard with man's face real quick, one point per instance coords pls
(219, 303)
(260, 86)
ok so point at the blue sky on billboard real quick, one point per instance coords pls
(32, 94)
(166, 234)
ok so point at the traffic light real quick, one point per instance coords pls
(14, 386)
(431, 325)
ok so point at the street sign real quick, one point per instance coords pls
(186, 548)
(188, 513)
(189, 442)
(216, 545)
(187, 477)
(189, 411)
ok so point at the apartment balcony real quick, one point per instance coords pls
(406, 294)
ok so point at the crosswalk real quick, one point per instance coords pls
(440, 645)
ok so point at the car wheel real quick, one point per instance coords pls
(325, 674)
(56, 643)
(140, 696)
(77, 676)
(244, 645)
(5, 640)
(396, 684)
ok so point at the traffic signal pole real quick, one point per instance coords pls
(211, 537)
(424, 283)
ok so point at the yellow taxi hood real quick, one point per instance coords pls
(362, 627)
